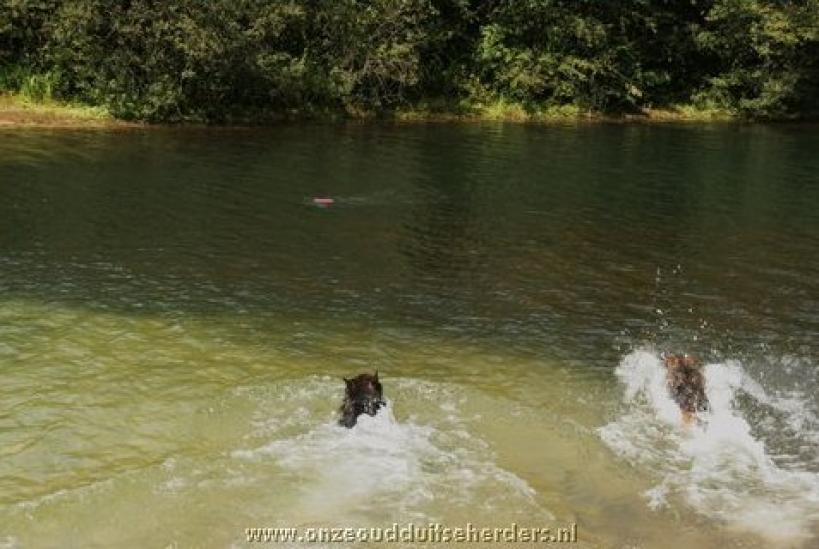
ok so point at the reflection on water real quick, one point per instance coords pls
(175, 315)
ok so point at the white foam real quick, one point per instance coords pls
(9, 542)
(718, 466)
(409, 470)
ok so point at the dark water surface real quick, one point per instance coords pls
(175, 313)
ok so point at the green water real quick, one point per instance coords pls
(176, 315)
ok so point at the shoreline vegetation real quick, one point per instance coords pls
(20, 112)
(250, 62)
(17, 111)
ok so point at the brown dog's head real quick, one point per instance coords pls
(683, 361)
(363, 395)
(686, 383)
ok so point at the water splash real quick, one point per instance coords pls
(721, 467)
(411, 470)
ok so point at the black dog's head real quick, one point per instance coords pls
(363, 395)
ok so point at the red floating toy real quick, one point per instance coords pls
(323, 202)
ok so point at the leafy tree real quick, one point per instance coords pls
(214, 60)
(764, 55)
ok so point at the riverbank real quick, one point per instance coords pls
(516, 112)
(18, 111)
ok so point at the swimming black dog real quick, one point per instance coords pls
(686, 385)
(363, 395)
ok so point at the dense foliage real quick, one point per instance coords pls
(215, 59)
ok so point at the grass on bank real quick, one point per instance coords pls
(18, 110)
(29, 100)
(506, 111)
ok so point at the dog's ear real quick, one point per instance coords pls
(376, 375)
(347, 382)
(671, 361)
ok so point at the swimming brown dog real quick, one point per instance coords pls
(363, 395)
(686, 385)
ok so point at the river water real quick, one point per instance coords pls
(176, 315)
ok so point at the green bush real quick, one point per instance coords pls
(764, 56)
(220, 59)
